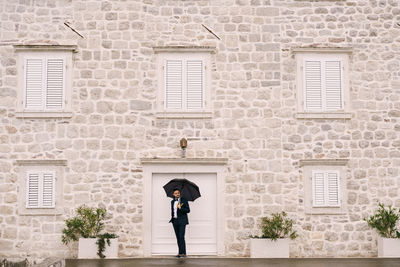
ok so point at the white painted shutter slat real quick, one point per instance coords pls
(313, 86)
(48, 190)
(33, 191)
(318, 188)
(173, 84)
(333, 85)
(34, 83)
(55, 83)
(194, 83)
(333, 188)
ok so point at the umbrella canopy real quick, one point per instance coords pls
(189, 190)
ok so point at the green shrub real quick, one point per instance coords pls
(385, 221)
(277, 226)
(88, 223)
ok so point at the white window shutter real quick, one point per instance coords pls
(313, 85)
(33, 190)
(34, 83)
(318, 184)
(194, 84)
(55, 83)
(40, 190)
(173, 84)
(326, 188)
(333, 85)
(333, 188)
(48, 192)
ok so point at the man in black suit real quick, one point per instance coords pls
(179, 210)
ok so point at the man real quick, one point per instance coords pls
(179, 210)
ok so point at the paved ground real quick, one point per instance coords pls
(235, 262)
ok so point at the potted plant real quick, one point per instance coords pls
(386, 221)
(274, 241)
(86, 226)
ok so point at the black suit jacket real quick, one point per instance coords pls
(182, 212)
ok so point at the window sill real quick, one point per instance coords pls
(41, 162)
(324, 115)
(179, 49)
(323, 162)
(348, 50)
(184, 115)
(46, 47)
(325, 211)
(43, 114)
(40, 211)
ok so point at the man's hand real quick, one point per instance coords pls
(180, 205)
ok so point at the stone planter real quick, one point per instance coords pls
(388, 247)
(88, 249)
(267, 248)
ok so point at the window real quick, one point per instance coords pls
(40, 184)
(45, 78)
(326, 188)
(322, 82)
(40, 190)
(184, 82)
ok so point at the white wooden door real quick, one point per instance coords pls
(201, 233)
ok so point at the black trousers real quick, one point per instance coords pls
(179, 229)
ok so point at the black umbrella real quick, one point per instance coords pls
(189, 190)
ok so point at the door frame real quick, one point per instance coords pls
(182, 165)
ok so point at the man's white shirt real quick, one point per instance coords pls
(176, 207)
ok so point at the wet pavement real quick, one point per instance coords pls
(236, 262)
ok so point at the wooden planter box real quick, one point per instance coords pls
(388, 247)
(267, 248)
(88, 249)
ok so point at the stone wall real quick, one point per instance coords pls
(253, 123)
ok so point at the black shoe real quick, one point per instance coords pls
(177, 256)
(183, 256)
